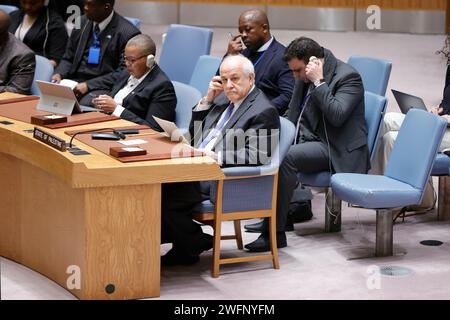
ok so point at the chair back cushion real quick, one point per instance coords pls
(375, 106)
(182, 47)
(204, 70)
(415, 148)
(187, 98)
(43, 72)
(374, 72)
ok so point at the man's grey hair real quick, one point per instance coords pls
(247, 65)
(144, 42)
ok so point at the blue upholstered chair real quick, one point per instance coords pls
(187, 98)
(44, 72)
(375, 106)
(404, 179)
(204, 70)
(135, 21)
(246, 193)
(8, 9)
(182, 47)
(374, 73)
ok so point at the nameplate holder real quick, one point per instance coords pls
(120, 152)
(48, 139)
(49, 119)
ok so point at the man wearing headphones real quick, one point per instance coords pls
(327, 108)
(40, 28)
(17, 62)
(95, 49)
(142, 90)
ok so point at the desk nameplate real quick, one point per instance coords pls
(48, 139)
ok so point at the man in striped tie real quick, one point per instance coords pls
(233, 109)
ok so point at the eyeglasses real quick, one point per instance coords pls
(131, 60)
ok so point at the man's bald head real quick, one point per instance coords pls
(254, 28)
(256, 16)
(5, 21)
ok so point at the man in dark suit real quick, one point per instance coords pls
(17, 61)
(327, 108)
(142, 90)
(40, 28)
(242, 111)
(273, 76)
(96, 48)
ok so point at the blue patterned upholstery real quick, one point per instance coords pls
(441, 165)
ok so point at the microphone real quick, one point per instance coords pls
(119, 133)
(16, 74)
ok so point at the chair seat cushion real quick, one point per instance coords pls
(320, 179)
(441, 165)
(373, 191)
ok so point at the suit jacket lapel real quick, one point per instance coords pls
(139, 88)
(83, 42)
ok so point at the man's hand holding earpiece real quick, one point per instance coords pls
(214, 89)
(235, 45)
(314, 69)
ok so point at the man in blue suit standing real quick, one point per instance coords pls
(273, 76)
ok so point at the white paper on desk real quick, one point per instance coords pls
(68, 83)
(132, 142)
(171, 129)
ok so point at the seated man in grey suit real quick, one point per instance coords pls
(95, 49)
(327, 108)
(140, 91)
(242, 112)
(17, 62)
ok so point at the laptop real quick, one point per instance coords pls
(406, 102)
(57, 98)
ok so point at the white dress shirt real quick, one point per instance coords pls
(132, 83)
(102, 25)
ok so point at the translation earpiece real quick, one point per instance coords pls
(314, 59)
(150, 61)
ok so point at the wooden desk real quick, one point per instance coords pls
(62, 213)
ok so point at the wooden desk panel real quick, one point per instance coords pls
(59, 210)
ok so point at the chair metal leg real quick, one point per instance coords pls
(238, 234)
(443, 210)
(384, 237)
(333, 208)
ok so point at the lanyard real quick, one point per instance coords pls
(260, 58)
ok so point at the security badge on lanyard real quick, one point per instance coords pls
(94, 50)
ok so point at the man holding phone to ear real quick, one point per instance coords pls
(327, 108)
(273, 76)
(140, 91)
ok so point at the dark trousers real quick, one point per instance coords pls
(177, 226)
(306, 157)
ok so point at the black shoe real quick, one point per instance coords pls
(289, 224)
(178, 258)
(258, 226)
(262, 244)
(254, 227)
